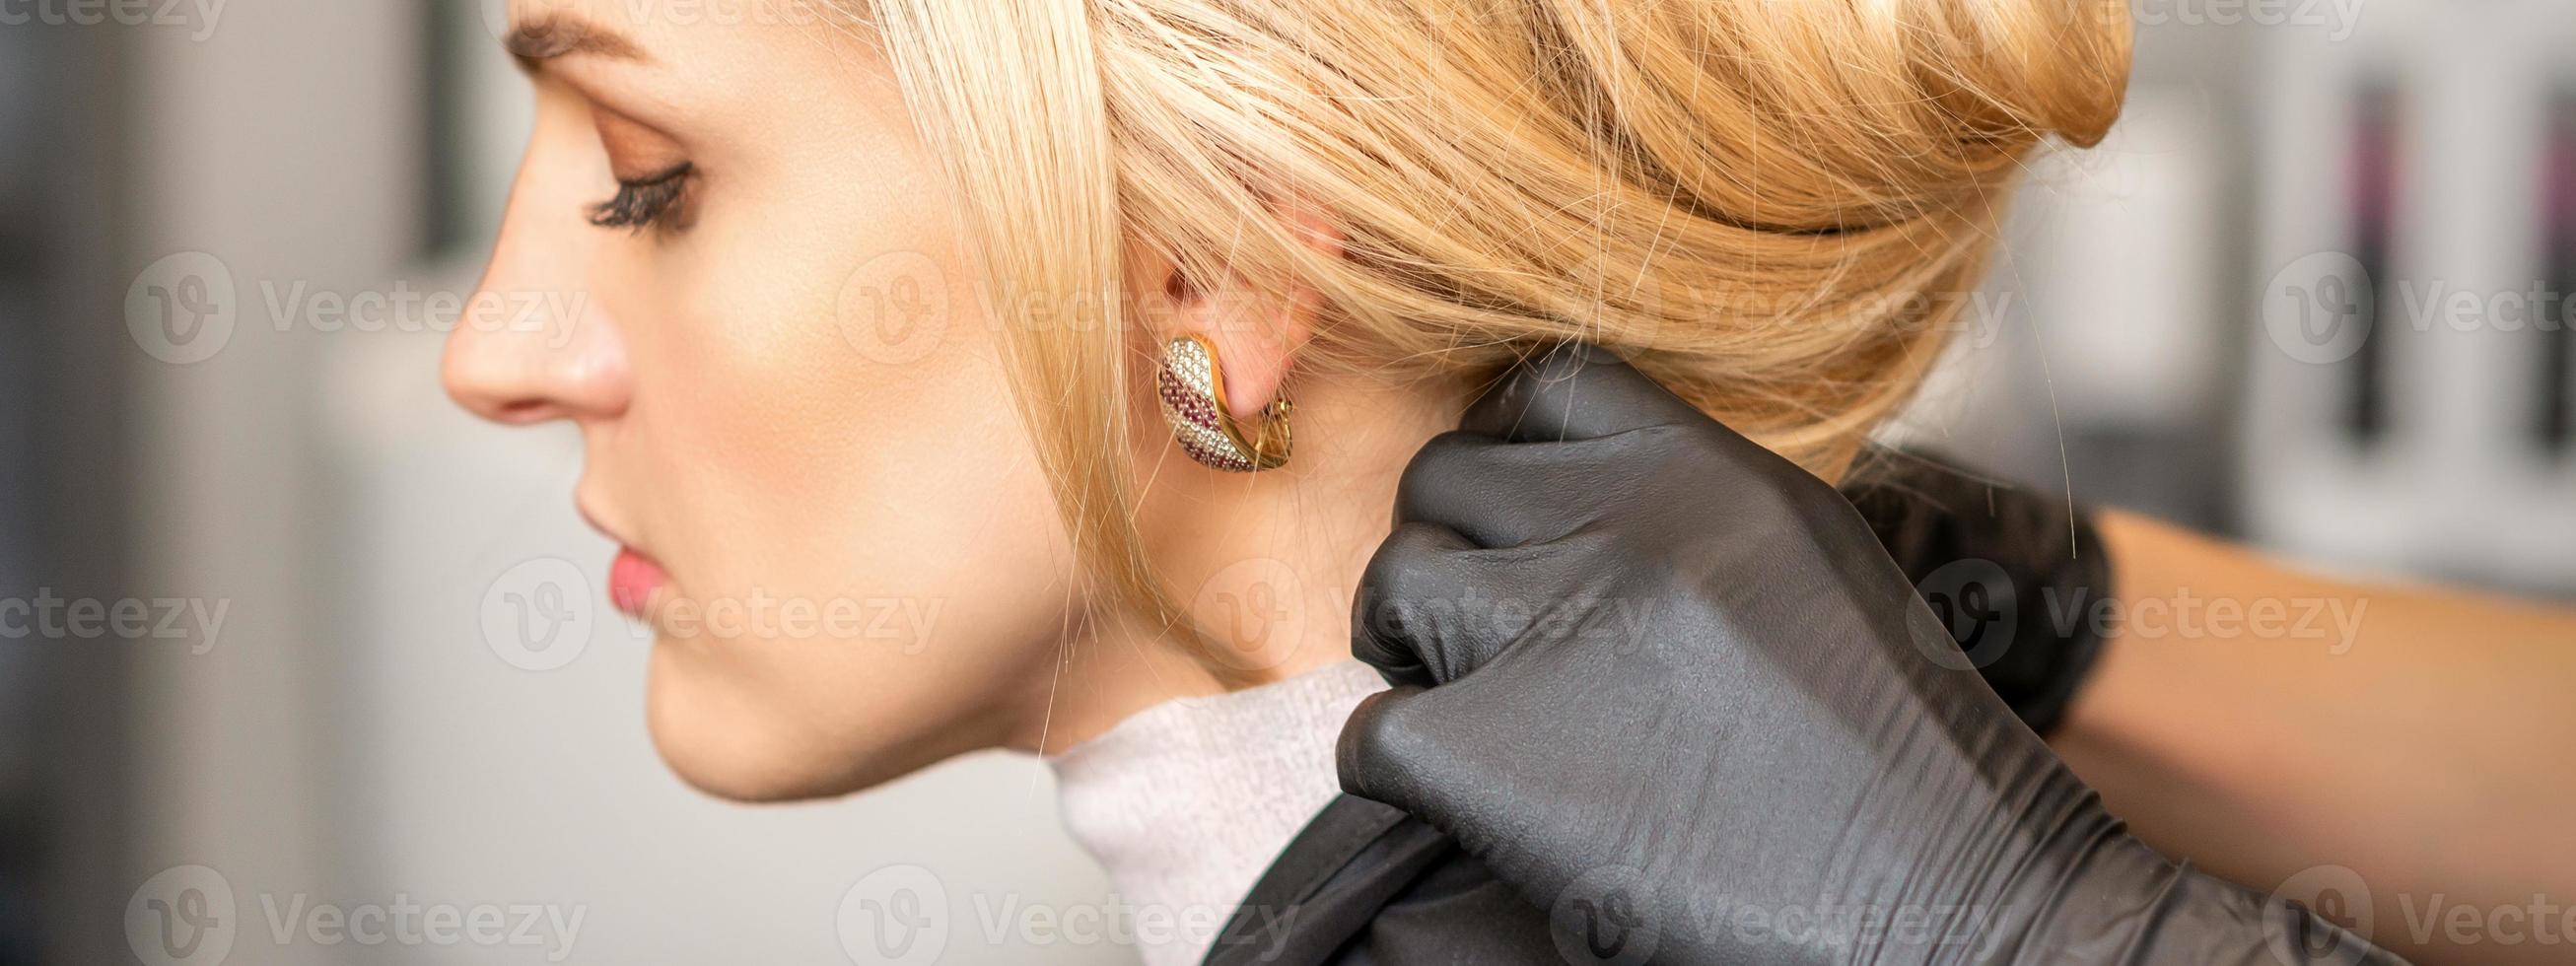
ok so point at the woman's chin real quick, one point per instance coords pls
(726, 743)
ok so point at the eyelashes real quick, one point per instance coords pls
(645, 203)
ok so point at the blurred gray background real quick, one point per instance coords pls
(2310, 295)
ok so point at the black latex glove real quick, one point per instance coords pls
(1998, 564)
(1670, 686)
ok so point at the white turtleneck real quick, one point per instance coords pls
(1187, 802)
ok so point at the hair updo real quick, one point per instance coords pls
(1772, 206)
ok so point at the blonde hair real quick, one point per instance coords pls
(1772, 206)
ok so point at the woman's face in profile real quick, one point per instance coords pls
(792, 415)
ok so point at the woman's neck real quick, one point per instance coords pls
(1266, 563)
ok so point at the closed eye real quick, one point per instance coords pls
(652, 201)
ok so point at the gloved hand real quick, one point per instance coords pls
(1671, 687)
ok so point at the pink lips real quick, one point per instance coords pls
(633, 579)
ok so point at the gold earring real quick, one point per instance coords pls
(1193, 392)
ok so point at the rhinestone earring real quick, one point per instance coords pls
(1193, 393)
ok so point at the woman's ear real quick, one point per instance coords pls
(1256, 331)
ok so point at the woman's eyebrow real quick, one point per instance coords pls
(561, 35)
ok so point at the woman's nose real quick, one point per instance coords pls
(523, 352)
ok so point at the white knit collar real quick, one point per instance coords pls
(1186, 803)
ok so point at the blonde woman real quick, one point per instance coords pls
(993, 308)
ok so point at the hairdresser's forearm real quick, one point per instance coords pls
(2263, 724)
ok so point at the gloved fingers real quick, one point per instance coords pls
(1514, 494)
(1433, 606)
(1575, 391)
(1378, 750)
(1590, 402)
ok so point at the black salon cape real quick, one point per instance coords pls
(1366, 884)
